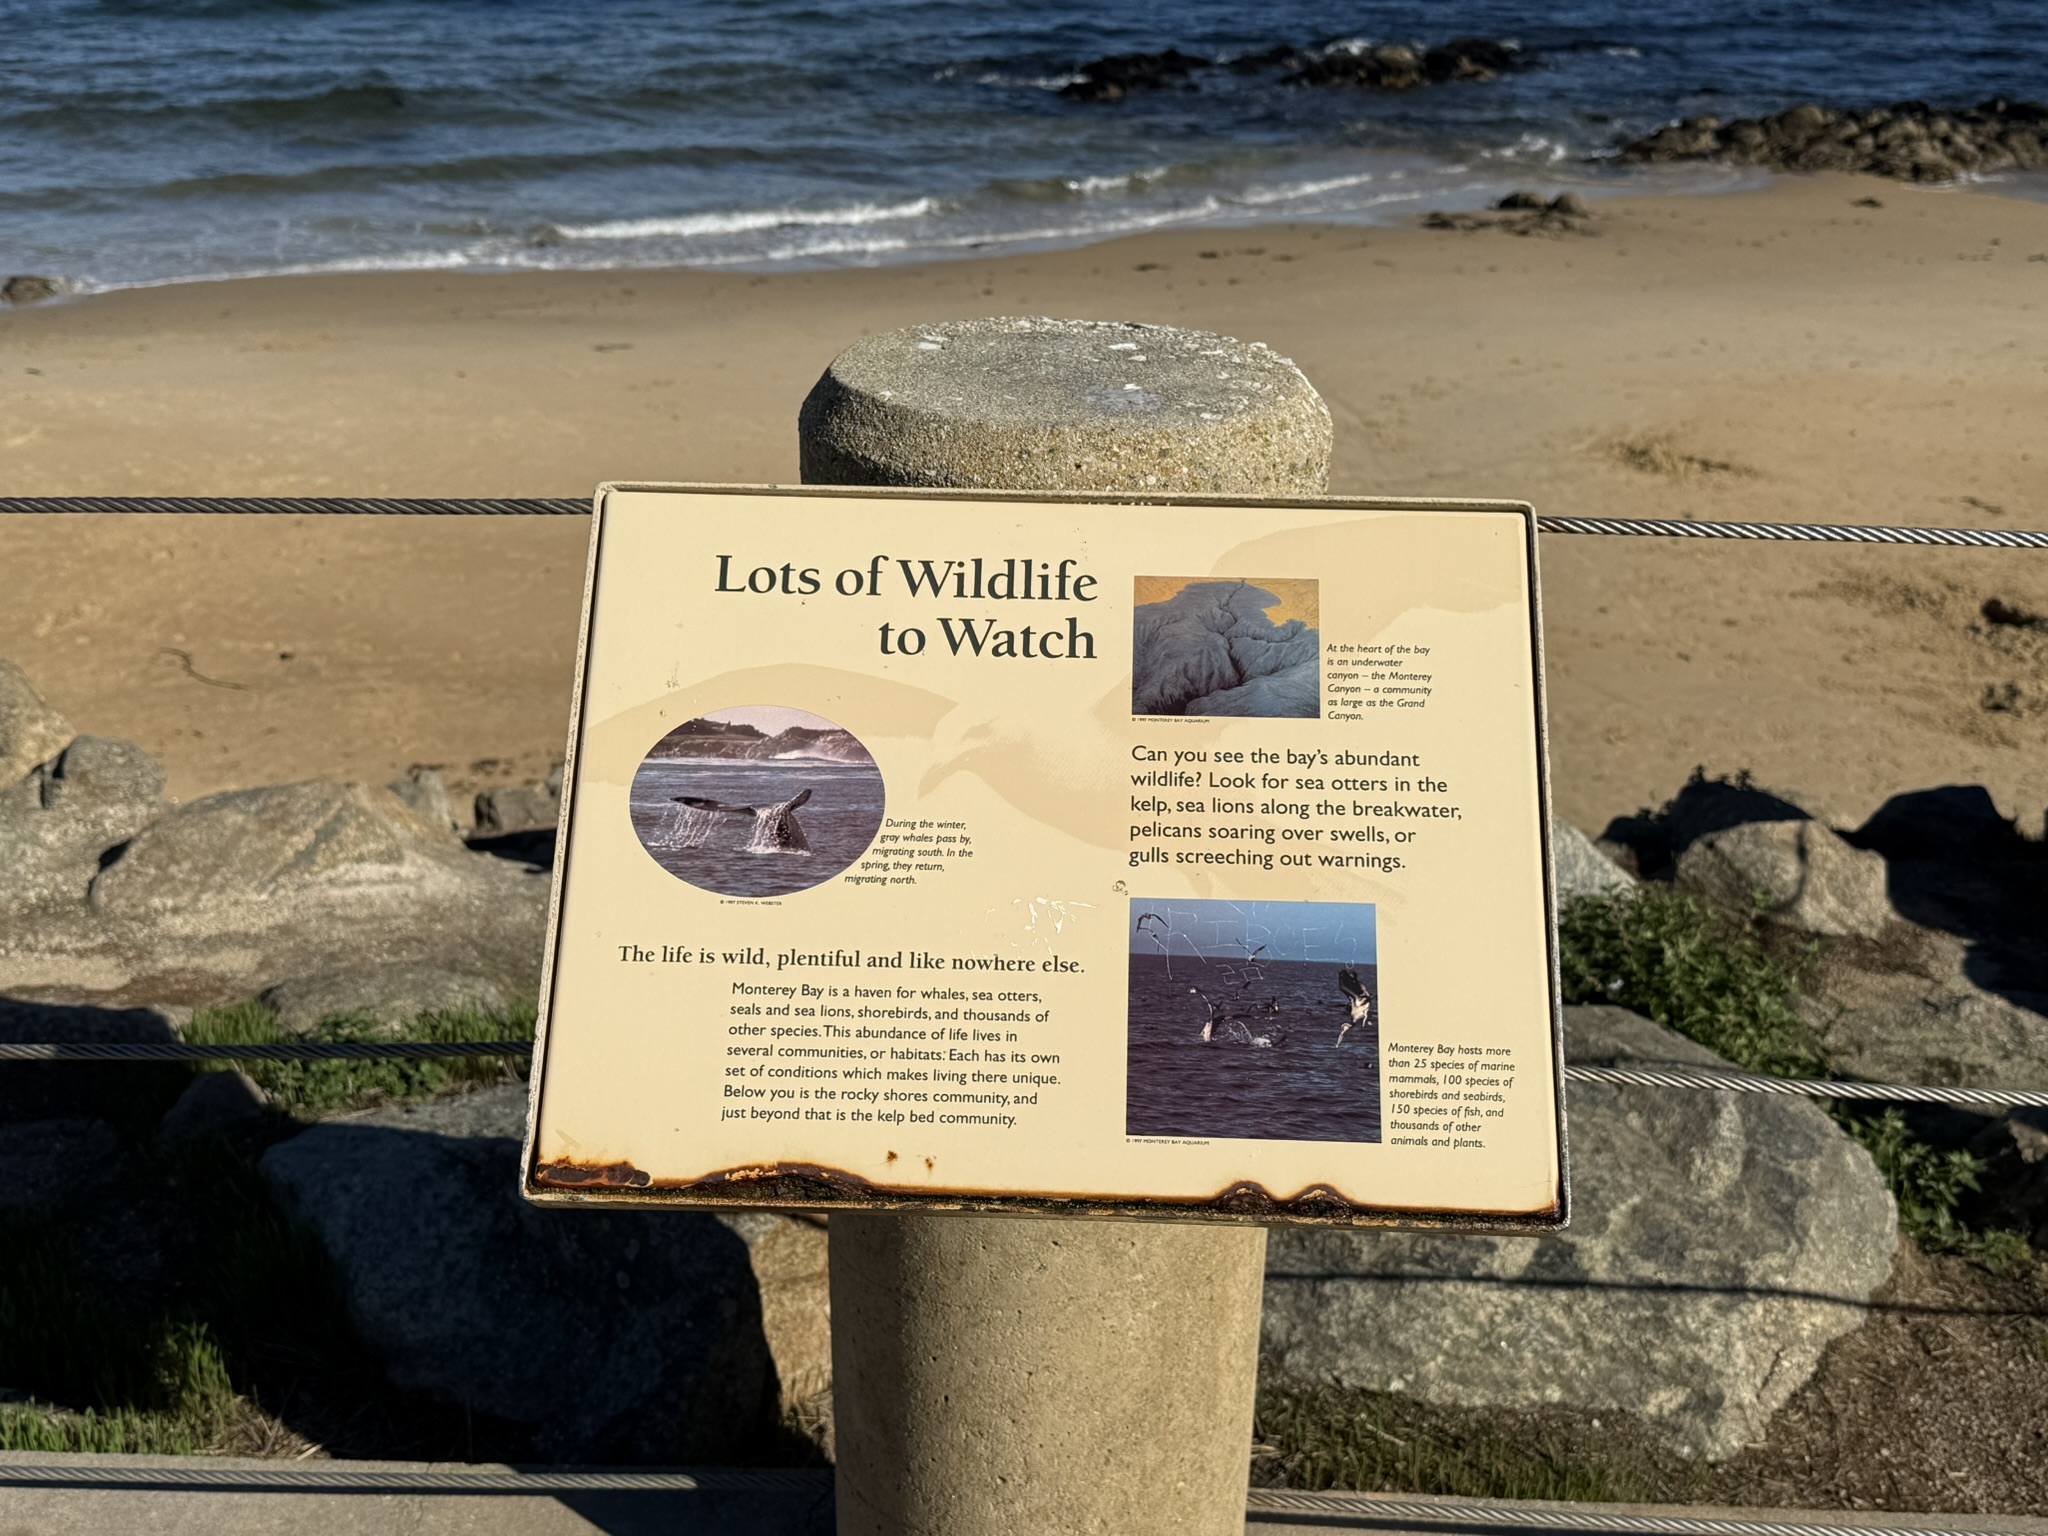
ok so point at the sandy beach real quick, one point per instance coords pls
(1826, 350)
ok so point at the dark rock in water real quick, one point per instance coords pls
(1285, 56)
(1393, 67)
(1719, 1243)
(1114, 78)
(1387, 67)
(1527, 213)
(622, 1336)
(27, 288)
(394, 994)
(1390, 67)
(62, 822)
(1909, 140)
(1471, 58)
(48, 1162)
(217, 1104)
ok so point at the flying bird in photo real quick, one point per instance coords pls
(1361, 1000)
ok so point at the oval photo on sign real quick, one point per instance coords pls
(759, 800)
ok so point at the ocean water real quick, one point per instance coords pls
(1301, 1085)
(146, 141)
(738, 855)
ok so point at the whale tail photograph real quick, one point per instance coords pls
(757, 801)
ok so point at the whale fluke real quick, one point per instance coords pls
(777, 821)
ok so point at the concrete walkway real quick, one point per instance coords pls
(43, 1495)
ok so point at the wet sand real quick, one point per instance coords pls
(1788, 354)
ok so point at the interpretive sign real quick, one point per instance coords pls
(1183, 857)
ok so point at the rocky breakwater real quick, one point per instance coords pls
(1908, 141)
(1348, 62)
(1719, 1242)
(1927, 961)
(116, 898)
(1396, 67)
(1921, 939)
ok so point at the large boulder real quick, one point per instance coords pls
(60, 821)
(621, 1336)
(30, 731)
(214, 901)
(1701, 807)
(1582, 869)
(274, 846)
(1800, 873)
(1719, 1242)
(216, 1104)
(1900, 1027)
(391, 994)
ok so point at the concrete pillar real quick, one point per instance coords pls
(1020, 1376)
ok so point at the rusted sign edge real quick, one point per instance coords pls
(816, 1187)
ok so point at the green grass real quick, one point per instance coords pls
(119, 1431)
(157, 1383)
(1693, 968)
(322, 1087)
(1931, 1185)
(1338, 1437)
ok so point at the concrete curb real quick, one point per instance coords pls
(59, 1495)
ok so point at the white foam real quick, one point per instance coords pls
(741, 221)
(1037, 82)
(1129, 181)
(1287, 192)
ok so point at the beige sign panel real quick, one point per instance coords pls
(1145, 857)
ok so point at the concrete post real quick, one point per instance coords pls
(1016, 1376)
